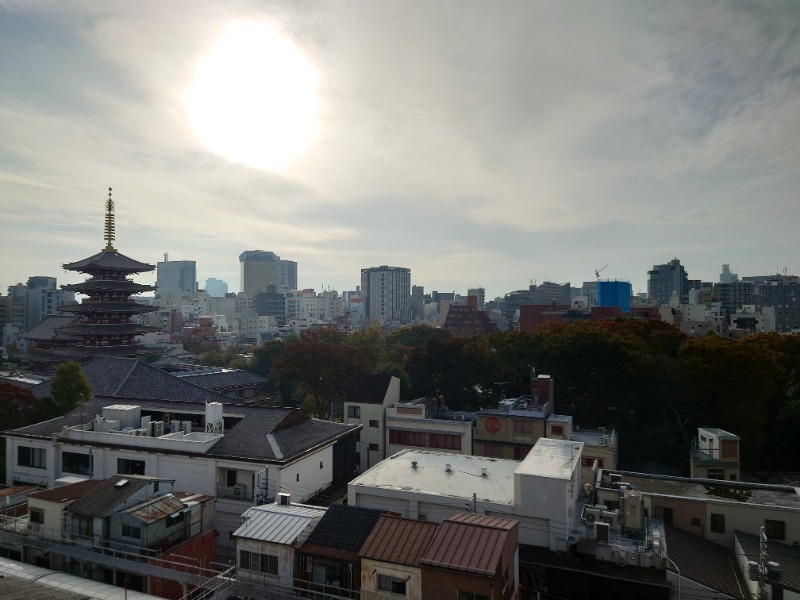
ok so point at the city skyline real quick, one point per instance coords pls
(472, 144)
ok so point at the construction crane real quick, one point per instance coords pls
(598, 271)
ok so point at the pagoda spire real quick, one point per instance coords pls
(110, 224)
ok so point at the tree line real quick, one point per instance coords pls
(650, 382)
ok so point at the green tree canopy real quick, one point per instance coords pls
(69, 387)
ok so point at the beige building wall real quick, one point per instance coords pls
(372, 569)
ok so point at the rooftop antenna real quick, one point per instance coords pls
(110, 223)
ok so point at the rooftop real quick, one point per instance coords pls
(277, 523)
(398, 540)
(66, 493)
(710, 489)
(554, 459)
(465, 476)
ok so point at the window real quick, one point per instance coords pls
(386, 583)
(775, 530)
(408, 438)
(36, 515)
(716, 474)
(471, 596)
(131, 531)
(373, 447)
(521, 426)
(717, 523)
(354, 412)
(82, 526)
(31, 457)
(445, 441)
(520, 452)
(588, 462)
(126, 466)
(556, 430)
(695, 522)
(253, 561)
(74, 462)
(494, 450)
(230, 478)
(326, 574)
(373, 423)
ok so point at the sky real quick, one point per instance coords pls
(479, 144)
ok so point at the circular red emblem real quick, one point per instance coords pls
(492, 425)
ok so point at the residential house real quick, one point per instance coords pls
(472, 557)
(365, 404)
(267, 543)
(715, 455)
(390, 558)
(330, 563)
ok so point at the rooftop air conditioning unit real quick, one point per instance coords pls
(611, 518)
(174, 426)
(129, 431)
(142, 432)
(590, 515)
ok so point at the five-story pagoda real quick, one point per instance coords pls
(105, 326)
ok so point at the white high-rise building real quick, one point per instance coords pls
(387, 293)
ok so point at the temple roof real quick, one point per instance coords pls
(108, 285)
(111, 260)
(83, 329)
(89, 306)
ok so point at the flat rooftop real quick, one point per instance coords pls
(710, 489)
(431, 475)
(551, 458)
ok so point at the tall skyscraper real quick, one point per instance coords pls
(176, 275)
(259, 269)
(387, 293)
(665, 279)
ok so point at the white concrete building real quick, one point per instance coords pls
(541, 492)
(243, 455)
(365, 404)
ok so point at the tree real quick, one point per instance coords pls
(69, 387)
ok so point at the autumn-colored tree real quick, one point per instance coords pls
(322, 371)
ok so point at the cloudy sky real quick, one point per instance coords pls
(476, 143)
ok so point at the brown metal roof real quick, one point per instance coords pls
(17, 489)
(398, 540)
(469, 543)
(66, 493)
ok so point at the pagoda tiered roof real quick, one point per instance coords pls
(108, 285)
(89, 307)
(109, 260)
(105, 329)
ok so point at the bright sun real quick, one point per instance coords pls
(253, 99)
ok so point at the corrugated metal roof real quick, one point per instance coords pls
(276, 523)
(398, 540)
(156, 509)
(470, 543)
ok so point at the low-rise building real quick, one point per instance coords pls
(714, 455)
(425, 424)
(365, 404)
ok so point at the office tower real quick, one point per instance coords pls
(665, 279)
(480, 294)
(216, 288)
(387, 293)
(260, 269)
(176, 275)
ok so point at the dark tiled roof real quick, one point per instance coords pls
(98, 501)
(469, 543)
(398, 540)
(788, 557)
(46, 329)
(133, 378)
(290, 433)
(66, 493)
(704, 562)
(222, 380)
(109, 260)
(342, 532)
(368, 389)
